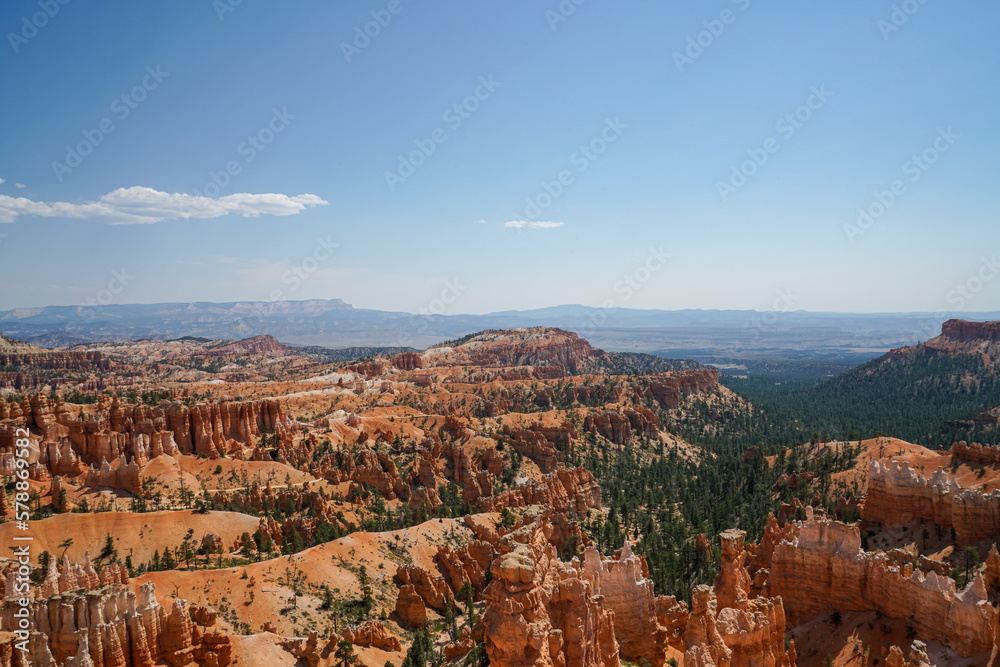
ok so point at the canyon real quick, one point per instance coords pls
(270, 506)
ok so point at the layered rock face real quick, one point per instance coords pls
(113, 430)
(125, 476)
(702, 638)
(819, 566)
(611, 425)
(645, 624)
(975, 453)
(668, 388)
(525, 624)
(962, 330)
(429, 586)
(568, 489)
(539, 442)
(962, 337)
(111, 627)
(408, 361)
(410, 606)
(71, 577)
(367, 467)
(541, 346)
(439, 589)
(541, 612)
(733, 623)
(897, 495)
(57, 361)
(733, 582)
(265, 345)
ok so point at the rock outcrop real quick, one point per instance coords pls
(112, 627)
(732, 585)
(540, 346)
(540, 611)
(702, 638)
(113, 430)
(645, 624)
(70, 577)
(610, 425)
(429, 586)
(965, 331)
(566, 490)
(820, 567)
(975, 453)
(410, 606)
(372, 633)
(57, 361)
(539, 443)
(898, 496)
(265, 345)
(667, 389)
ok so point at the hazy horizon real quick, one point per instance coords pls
(522, 310)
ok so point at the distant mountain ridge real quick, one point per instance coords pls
(708, 336)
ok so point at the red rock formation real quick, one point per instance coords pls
(58, 495)
(307, 649)
(898, 496)
(568, 489)
(539, 442)
(820, 566)
(964, 331)
(372, 633)
(610, 425)
(177, 640)
(975, 453)
(215, 649)
(750, 628)
(468, 564)
(125, 476)
(644, 421)
(644, 623)
(668, 388)
(732, 585)
(702, 547)
(57, 361)
(539, 612)
(364, 466)
(462, 646)
(407, 361)
(410, 606)
(265, 345)
(701, 637)
(368, 369)
(918, 656)
(755, 633)
(541, 346)
(113, 430)
(71, 577)
(112, 628)
(431, 587)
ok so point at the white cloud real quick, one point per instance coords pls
(2, 181)
(142, 206)
(20, 185)
(523, 224)
(480, 222)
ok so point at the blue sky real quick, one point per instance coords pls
(663, 133)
